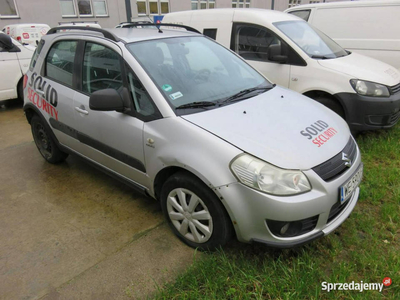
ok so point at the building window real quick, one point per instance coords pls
(85, 8)
(152, 7)
(203, 4)
(241, 3)
(100, 7)
(312, 2)
(8, 9)
(293, 3)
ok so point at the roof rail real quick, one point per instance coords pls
(107, 34)
(135, 24)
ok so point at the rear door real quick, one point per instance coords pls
(110, 138)
(51, 89)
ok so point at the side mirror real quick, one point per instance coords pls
(275, 54)
(7, 44)
(106, 100)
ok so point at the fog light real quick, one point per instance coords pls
(284, 228)
(291, 229)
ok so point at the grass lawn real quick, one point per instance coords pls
(366, 247)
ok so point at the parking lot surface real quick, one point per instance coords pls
(68, 231)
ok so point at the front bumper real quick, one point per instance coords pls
(250, 209)
(368, 113)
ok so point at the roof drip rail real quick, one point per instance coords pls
(107, 34)
(158, 25)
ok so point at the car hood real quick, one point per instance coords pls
(362, 67)
(273, 127)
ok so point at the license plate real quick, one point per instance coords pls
(348, 188)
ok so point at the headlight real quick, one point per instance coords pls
(367, 88)
(262, 176)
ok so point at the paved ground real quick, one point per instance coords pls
(69, 231)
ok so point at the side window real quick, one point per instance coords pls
(101, 69)
(303, 14)
(60, 62)
(141, 99)
(211, 33)
(253, 42)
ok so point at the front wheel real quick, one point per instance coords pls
(45, 143)
(194, 212)
(332, 104)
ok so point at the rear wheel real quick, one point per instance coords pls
(45, 143)
(194, 212)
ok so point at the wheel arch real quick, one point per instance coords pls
(313, 94)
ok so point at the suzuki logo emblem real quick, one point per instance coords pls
(346, 160)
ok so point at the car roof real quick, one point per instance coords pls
(128, 35)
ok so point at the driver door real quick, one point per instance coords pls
(252, 42)
(110, 138)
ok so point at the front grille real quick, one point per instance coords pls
(336, 166)
(336, 210)
(395, 89)
(394, 118)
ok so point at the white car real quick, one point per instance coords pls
(27, 34)
(293, 54)
(191, 124)
(14, 62)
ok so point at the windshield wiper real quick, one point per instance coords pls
(321, 57)
(198, 104)
(238, 96)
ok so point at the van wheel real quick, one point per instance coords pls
(45, 143)
(194, 212)
(332, 104)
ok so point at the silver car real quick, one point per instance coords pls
(191, 124)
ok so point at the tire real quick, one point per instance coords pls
(200, 221)
(45, 143)
(332, 104)
(20, 91)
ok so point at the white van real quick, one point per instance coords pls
(289, 52)
(371, 28)
(26, 34)
(14, 62)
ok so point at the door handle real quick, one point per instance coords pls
(40, 92)
(82, 111)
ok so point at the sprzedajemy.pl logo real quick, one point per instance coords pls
(356, 286)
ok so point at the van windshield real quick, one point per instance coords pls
(313, 42)
(195, 73)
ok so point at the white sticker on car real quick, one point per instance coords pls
(176, 95)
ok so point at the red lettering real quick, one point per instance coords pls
(34, 98)
(316, 142)
(39, 104)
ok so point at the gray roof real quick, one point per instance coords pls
(128, 35)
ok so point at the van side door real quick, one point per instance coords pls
(256, 45)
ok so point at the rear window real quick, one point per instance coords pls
(60, 62)
(302, 14)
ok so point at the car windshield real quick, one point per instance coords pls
(316, 44)
(196, 73)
